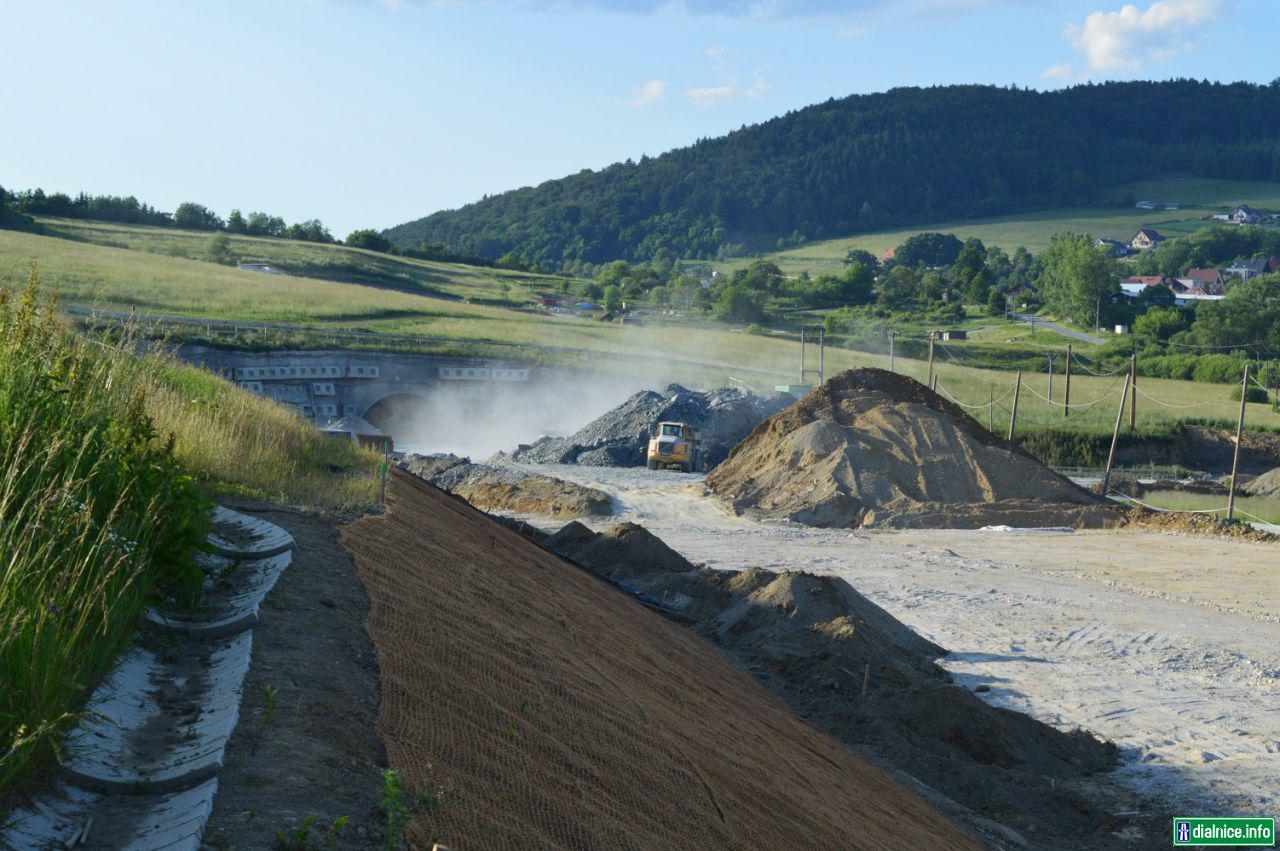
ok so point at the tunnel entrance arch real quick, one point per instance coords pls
(410, 419)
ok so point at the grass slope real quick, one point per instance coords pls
(1197, 198)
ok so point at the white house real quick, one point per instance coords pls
(1245, 215)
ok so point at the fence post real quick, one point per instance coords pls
(1066, 404)
(991, 404)
(1235, 456)
(1013, 415)
(1050, 357)
(1115, 435)
(891, 336)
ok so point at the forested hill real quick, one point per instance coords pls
(902, 157)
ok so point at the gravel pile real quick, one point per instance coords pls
(620, 437)
(495, 488)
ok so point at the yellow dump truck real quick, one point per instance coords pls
(676, 445)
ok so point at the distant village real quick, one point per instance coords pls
(1197, 284)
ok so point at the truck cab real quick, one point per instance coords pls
(674, 445)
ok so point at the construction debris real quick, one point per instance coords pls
(856, 672)
(493, 488)
(875, 448)
(620, 437)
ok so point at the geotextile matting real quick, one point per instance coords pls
(534, 706)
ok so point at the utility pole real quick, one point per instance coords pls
(1050, 356)
(1133, 393)
(1115, 435)
(1235, 457)
(822, 354)
(1066, 404)
(802, 355)
(1013, 416)
(930, 381)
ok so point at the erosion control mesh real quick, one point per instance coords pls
(543, 708)
(874, 448)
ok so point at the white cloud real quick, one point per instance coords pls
(1129, 38)
(1056, 72)
(759, 86)
(728, 89)
(647, 94)
(712, 95)
(853, 31)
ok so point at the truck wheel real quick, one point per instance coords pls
(653, 465)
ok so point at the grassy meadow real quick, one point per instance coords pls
(1197, 199)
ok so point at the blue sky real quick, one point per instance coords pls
(367, 113)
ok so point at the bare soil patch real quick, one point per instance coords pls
(316, 753)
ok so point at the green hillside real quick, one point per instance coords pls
(1196, 198)
(152, 278)
(875, 162)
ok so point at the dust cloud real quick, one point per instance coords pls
(477, 421)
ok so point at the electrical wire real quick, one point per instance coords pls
(1151, 398)
(1083, 405)
(1137, 501)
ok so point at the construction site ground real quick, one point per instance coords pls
(1167, 644)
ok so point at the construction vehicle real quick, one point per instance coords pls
(676, 446)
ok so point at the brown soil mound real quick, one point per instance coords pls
(874, 448)
(545, 495)
(814, 641)
(1194, 524)
(541, 708)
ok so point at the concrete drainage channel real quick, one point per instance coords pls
(141, 769)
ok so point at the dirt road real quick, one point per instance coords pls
(1168, 645)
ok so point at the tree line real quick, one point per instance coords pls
(901, 157)
(188, 216)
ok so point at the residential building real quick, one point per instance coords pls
(1117, 248)
(1145, 238)
(1209, 280)
(1247, 269)
(1245, 215)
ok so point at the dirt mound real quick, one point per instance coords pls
(536, 707)
(874, 448)
(618, 551)
(1186, 523)
(855, 671)
(620, 438)
(1266, 485)
(494, 488)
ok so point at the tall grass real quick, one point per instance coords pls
(107, 460)
(96, 517)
